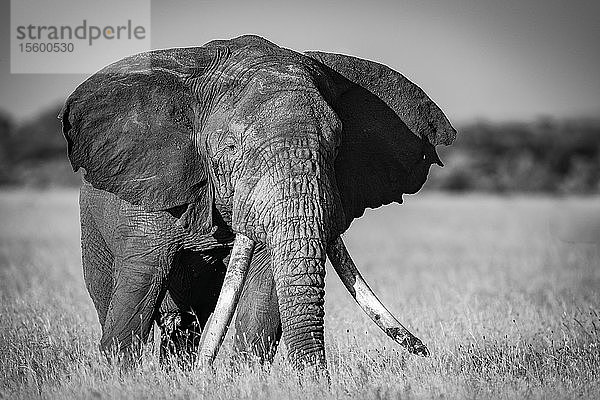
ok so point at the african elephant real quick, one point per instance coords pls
(245, 154)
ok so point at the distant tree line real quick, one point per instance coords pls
(33, 153)
(548, 155)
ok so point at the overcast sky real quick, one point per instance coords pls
(488, 59)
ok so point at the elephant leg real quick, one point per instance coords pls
(97, 263)
(180, 331)
(257, 324)
(137, 294)
(193, 288)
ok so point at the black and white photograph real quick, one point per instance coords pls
(321, 199)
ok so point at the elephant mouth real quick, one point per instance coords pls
(238, 267)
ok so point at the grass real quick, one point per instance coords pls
(504, 290)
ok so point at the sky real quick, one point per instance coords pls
(486, 59)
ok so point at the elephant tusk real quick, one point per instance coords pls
(216, 328)
(366, 299)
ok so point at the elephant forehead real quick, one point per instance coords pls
(283, 75)
(266, 77)
(267, 66)
(299, 109)
(265, 101)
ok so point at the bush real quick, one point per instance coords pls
(557, 156)
(39, 139)
(34, 152)
(6, 132)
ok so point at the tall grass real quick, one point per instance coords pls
(505, 292)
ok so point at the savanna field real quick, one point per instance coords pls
(505, 291)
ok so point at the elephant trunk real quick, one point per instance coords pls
(298, 251)
(291, 207)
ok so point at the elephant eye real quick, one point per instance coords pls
(230, 144)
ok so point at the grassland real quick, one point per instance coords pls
(504, 290)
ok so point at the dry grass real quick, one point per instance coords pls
(509, 306)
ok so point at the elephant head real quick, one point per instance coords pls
(287, 148)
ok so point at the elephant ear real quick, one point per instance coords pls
(390, 127)
(131, 126)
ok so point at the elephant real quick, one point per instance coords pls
(221, 177)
